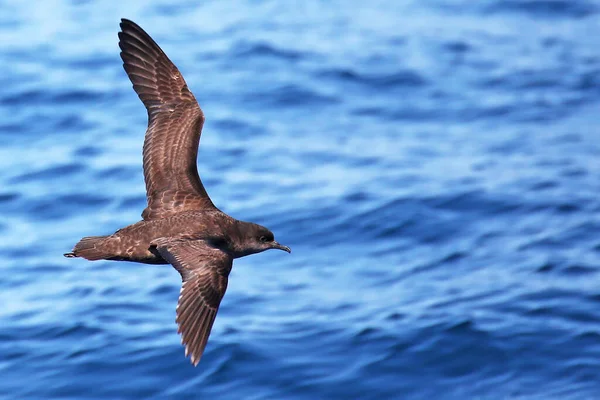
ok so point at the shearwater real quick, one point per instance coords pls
(180, 226)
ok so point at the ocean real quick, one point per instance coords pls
(434, 166)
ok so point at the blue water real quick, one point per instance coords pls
(435, 167)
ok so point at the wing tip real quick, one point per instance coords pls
(130, 29)
(194, 358)
(128, 23)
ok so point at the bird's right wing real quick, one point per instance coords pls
(175, 123)
(204, 271)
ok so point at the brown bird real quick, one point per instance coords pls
(180, 226)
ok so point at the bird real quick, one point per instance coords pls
(180, 225)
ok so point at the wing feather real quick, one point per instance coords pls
(204, 272)
(175, 123)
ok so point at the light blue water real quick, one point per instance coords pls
(433, 165)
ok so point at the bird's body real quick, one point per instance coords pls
(136, 242)
(180, 225)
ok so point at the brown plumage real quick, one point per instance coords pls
(180, 226)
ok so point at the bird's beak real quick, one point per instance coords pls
(276, 245)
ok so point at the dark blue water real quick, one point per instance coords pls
(433, 165)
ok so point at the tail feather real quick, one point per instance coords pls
(90, 248)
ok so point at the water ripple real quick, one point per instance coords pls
(433, 166)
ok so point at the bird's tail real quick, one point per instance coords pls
(91, 248)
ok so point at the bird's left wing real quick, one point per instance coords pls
(175, 123)
(204, 271)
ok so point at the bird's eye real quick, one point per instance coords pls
(263, 239)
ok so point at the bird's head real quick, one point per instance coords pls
(257, 238)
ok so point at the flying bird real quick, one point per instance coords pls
(180, 225)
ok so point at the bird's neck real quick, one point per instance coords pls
(239, 235)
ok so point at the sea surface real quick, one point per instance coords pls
(434, 166)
